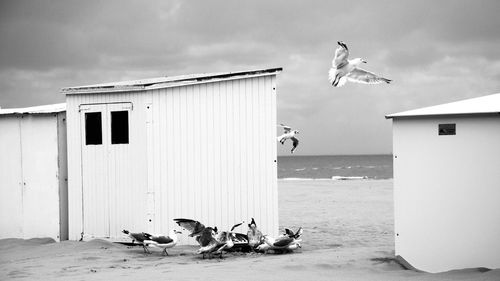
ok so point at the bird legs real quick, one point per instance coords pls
(165, 252)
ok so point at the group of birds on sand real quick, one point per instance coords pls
(342, 70)
(212, 242)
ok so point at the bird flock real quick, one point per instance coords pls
(215, 243)
(342, 70)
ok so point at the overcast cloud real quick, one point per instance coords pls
(435, 51)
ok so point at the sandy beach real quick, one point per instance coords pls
(348, 235)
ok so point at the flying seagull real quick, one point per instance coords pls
(344, 69)
(289, 134)
(163, 242)
(139, 237)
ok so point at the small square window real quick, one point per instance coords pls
(447, 129)
(93, 128)
(119, 127)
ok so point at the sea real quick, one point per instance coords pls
(335, 167)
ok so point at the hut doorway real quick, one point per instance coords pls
(106, 167)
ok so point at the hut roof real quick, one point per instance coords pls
(41, 109)
(166, 82)
(482, 105)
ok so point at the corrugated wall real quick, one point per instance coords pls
(29, 205)
(212, 152)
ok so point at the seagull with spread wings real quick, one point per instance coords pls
(289, 134)
(344, 70)
(202, 234)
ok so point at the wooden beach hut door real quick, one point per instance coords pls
(106, 167)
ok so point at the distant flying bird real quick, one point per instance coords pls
(163, 242)
(139, 237)
(202, 234)
(344, 69)
(289, 134)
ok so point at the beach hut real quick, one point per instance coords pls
(144, 152)
(447, 185)
(33, 172)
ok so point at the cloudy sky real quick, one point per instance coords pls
(435, 51)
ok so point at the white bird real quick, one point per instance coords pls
(280, 244)
(289, 134)
(344, 69)
(254, 235)
(163, 242)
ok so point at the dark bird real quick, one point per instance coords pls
(344, 70)
(139, 237)
(289, 134)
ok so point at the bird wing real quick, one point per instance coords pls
(240, 238)
(341, 55)
(140, 237)
(283, 242)
(298, 233)
(195, 227)
(236, 225)
(162, 239)
(287, 128)
(359, 75)
(295, 142)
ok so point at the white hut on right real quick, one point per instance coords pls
(447, 185)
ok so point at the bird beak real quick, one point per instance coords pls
(364, 61)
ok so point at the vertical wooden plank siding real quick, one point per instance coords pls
(204, 151)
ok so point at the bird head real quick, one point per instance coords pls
(357, 61)
(252, 224)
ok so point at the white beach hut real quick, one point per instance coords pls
(144, 152)
(33, 172)
(447, 185)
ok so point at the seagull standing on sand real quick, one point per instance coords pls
(344, 69)
(289, 134)
(163, 242)
(139, 237)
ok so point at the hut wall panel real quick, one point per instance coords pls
(218, 142)
(11, 219)
(30, 173)
(446, 191)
